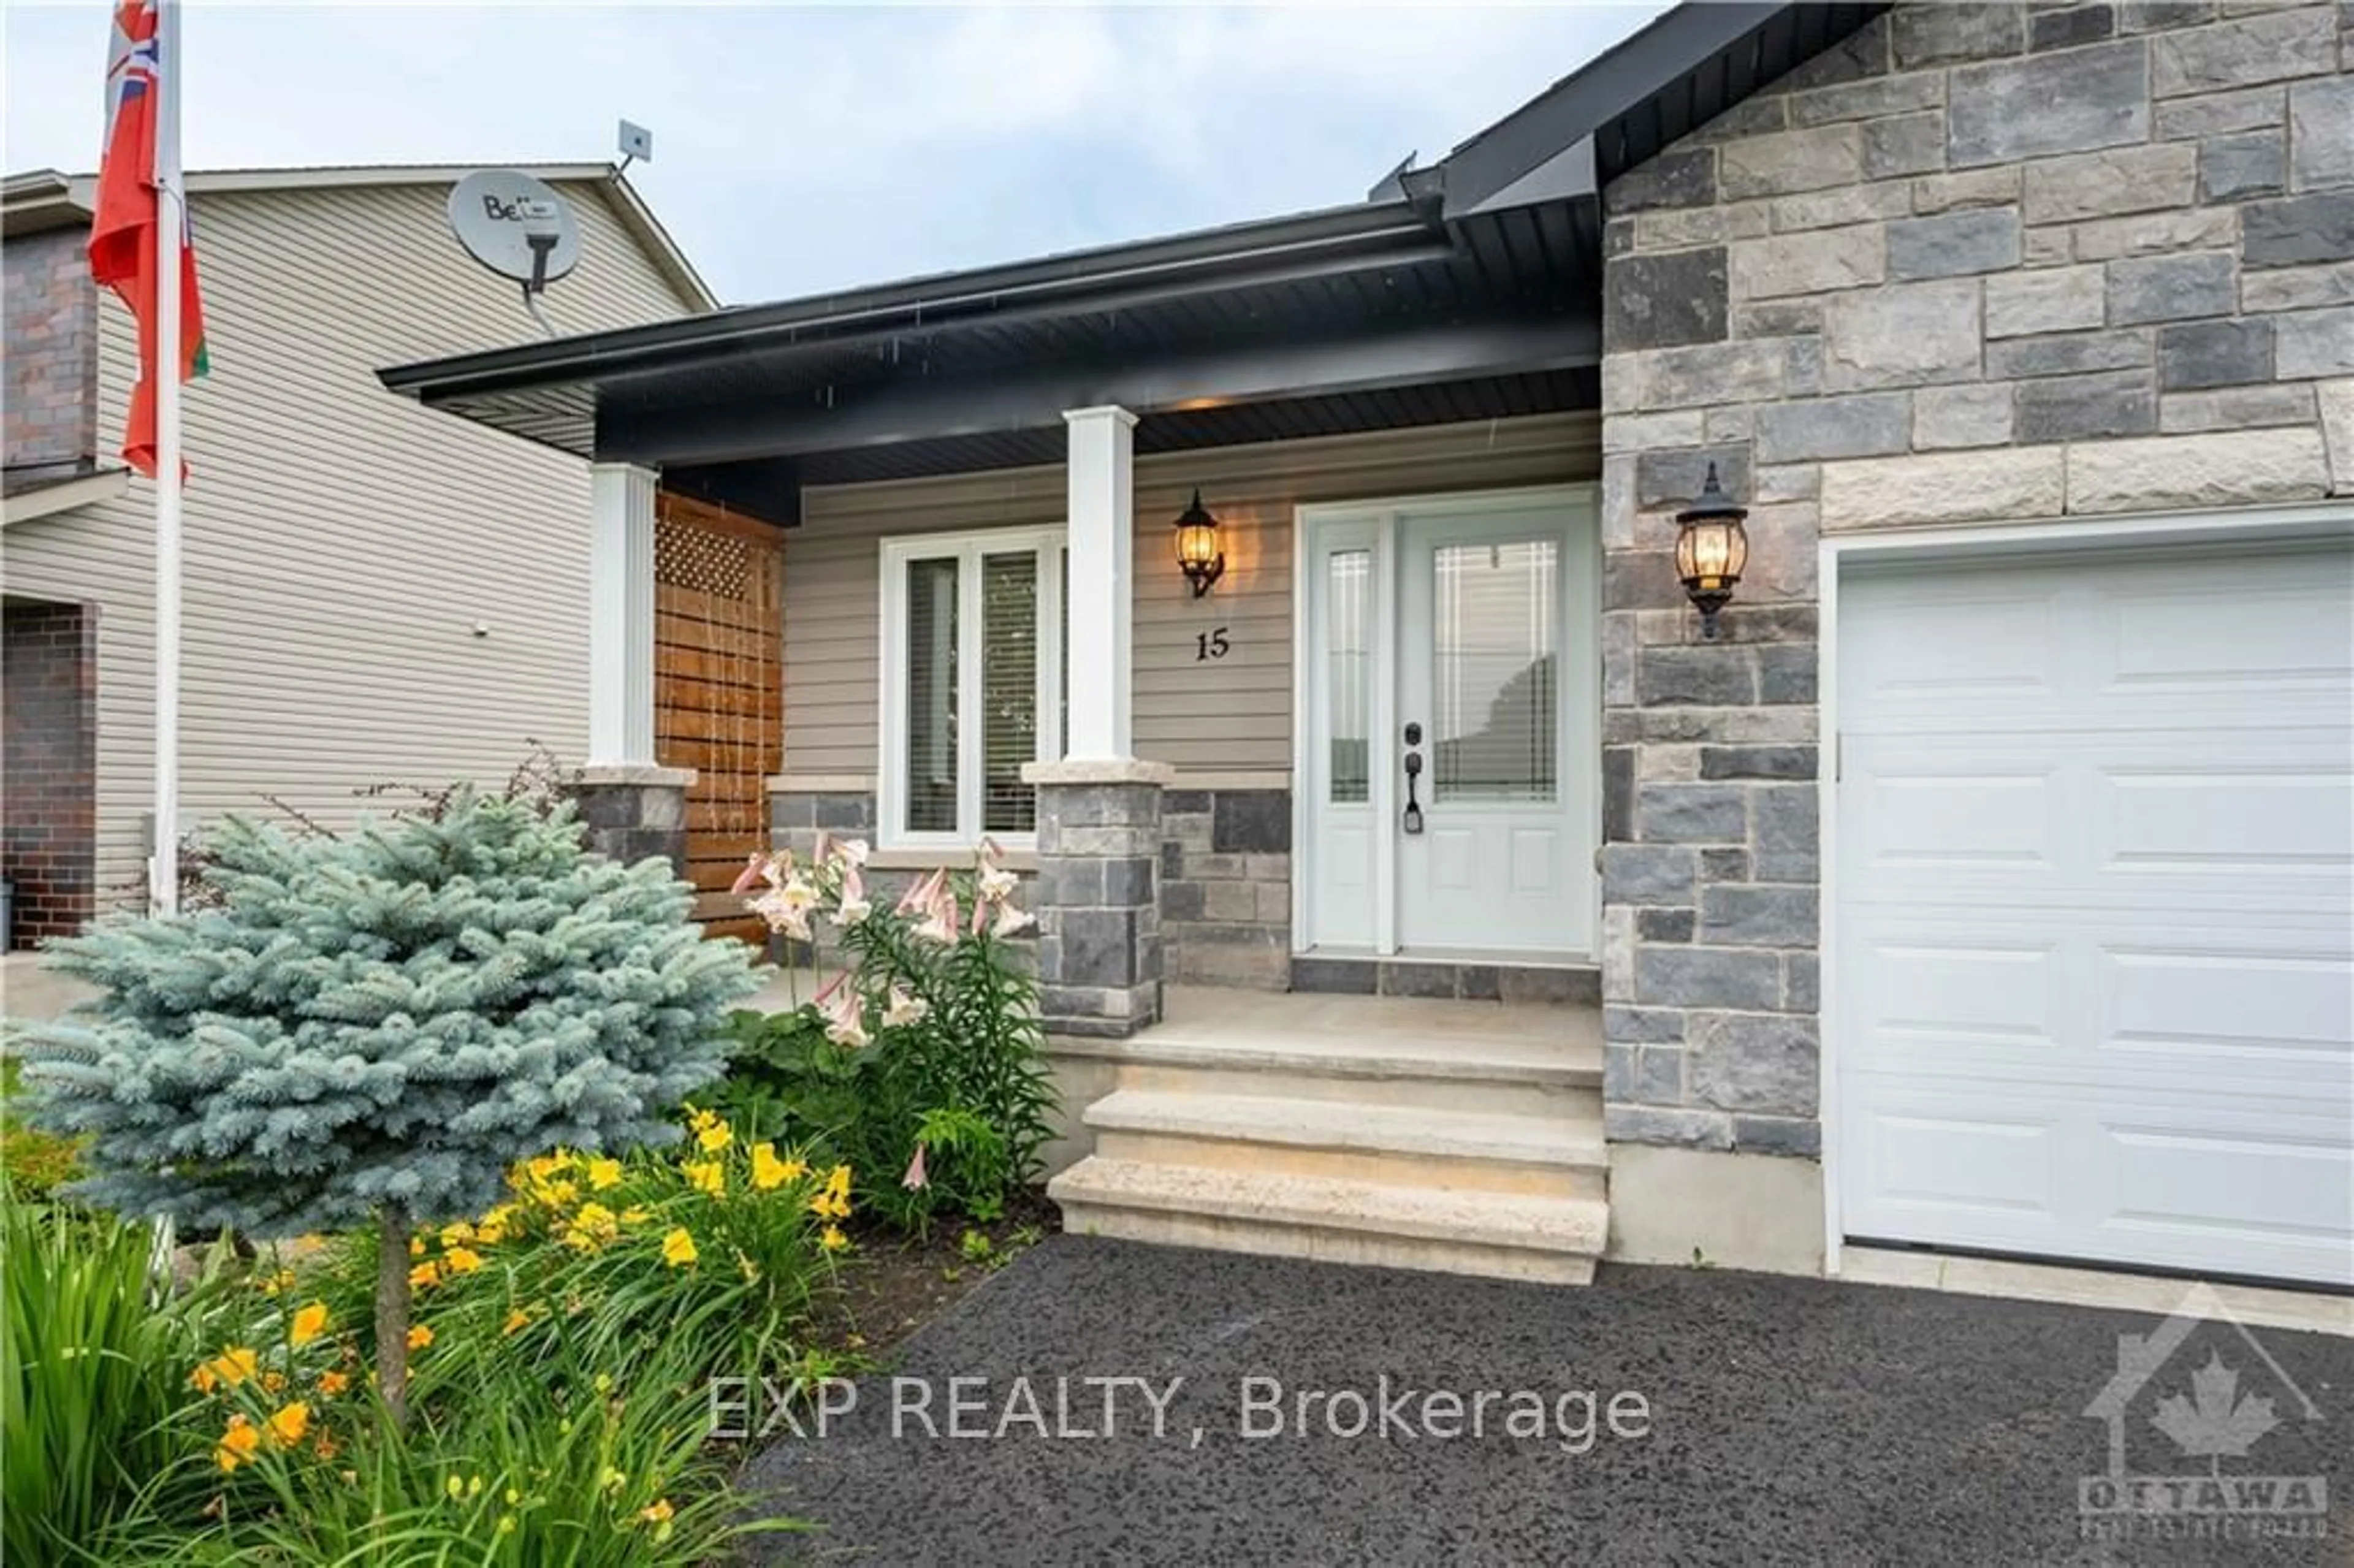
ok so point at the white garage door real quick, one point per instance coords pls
(2095, 965)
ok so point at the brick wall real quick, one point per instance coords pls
(48, 767)
(50, 354)
(1978, 263)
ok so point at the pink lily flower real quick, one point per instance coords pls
(940, 923)
(914, 1180)
(854, 907)
(918, 899)
(845, 1015)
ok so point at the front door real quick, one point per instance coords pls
(1449, 698)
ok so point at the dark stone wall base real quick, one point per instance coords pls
(635, 812)
(1558, 985)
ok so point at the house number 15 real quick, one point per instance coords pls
(1211, 645)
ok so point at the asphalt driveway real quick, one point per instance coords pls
(1659, 1415)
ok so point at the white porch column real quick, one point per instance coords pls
(1101, 542)
(621, 616)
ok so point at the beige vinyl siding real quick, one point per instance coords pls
(1232, 715)
(341, 542)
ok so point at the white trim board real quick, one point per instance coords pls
(1836, 553)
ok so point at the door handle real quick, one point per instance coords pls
(1413, 823)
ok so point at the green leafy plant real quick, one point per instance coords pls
(563, 1457)
(372, 1029)
(921, 1062)
(91, 1367)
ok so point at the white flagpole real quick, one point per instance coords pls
(163, 871)
(170, 213)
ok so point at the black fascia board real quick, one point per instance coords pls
(890, 412)
(1361, 234)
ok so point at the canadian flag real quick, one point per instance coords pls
(122, 245)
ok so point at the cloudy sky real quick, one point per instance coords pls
(800, 148)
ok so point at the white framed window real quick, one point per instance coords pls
(972, 677)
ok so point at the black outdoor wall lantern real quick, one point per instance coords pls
(1197, 547)
(1711, 547)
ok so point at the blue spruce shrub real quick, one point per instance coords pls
(378, 1026)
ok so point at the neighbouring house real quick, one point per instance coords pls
(373, 594)
(1985, 883)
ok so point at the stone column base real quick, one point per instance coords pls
(1099, 895)
(635, 810)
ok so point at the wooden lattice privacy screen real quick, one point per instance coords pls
(719, 693)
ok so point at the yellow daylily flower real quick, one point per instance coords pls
(604, 1173)
(231, 1367)
(708, 1175)
(457, 1234)
(769, 1172)
(331, 1384)
(831, 1239)
(424, 1274)
(462, 1260)
(678, 1248)
(237, 1444)
(419, 1337)
(715, 1137)
(308, 1325)
(289, 1424)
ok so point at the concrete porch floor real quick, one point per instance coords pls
(1242, 1021)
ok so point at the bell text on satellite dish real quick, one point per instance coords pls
(515, 225)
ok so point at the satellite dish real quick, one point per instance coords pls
(635, 143)
(515, 225)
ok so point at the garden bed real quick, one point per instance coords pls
(895, 1284)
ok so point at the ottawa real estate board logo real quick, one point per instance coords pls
(2188, 1410)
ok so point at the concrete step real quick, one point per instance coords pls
(1465, 1057)
(1495, 1235)
(1551, 1153)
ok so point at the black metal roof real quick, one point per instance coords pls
(1467, 290)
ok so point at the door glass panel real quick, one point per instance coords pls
(1009, 690)
(932, 695)
(1495, 624)
(1349, 601)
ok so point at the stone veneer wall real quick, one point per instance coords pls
(796, 816)
(1225, 887)
(1978, 263)
(635, 812)
(1224, 875)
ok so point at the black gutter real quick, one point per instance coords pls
(1333, 240)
